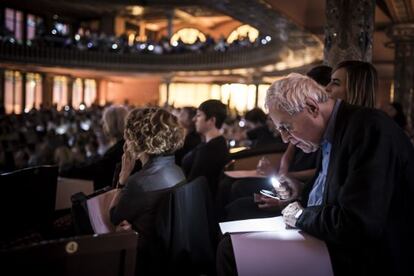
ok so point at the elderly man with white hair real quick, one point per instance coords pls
(358, 202)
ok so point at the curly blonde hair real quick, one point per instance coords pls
(154, 131)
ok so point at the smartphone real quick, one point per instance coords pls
(269, 194)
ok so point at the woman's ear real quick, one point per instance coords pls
(312, 107)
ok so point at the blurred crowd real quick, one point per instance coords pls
(49, 136)
(86, 40)
(70, 137)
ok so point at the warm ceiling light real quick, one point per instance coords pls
(152, 27)
(136, 10)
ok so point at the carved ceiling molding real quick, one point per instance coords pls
(402, 11)
(262, 16)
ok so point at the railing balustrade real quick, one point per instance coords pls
(73, 58)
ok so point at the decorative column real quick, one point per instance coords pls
(256, 81)
(24, 91)
(24, 29)
(83, 91)
(349, 29)
(402, 36)
(47, 89)
(69, 86)
(170, 18)
(2, 84)
(98, 92)
(142, 31)
(167, 80)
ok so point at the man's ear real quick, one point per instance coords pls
(312, 106)
(213, 121)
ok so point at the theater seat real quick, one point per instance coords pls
(104, 255)
(27, 201)
(248, 159)
(188, 228)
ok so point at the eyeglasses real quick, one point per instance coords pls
(284, 128)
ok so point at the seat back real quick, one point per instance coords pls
(80, 216)
(188, 228)
(103, 255)
(27, 200)
(248, 159)
(250, 163)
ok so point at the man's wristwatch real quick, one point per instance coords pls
(298, 213)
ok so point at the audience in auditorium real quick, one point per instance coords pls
(46, 136)
(358, 202)
(208, 158)
(87, 40)
(256, 130)
(192, 138)
(152, 135)
(102, 170)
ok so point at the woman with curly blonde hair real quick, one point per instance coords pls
(152, 135)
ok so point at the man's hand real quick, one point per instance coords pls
(290, 189)
(269, 203)
(291, 213)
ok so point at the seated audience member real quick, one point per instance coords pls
(192, 138)
(322, 75)
(152, 135)
(209, 158)
(240, 204)
(352, 81)
(359, 201)
(257, 131)
(102, 169)
(355, 82)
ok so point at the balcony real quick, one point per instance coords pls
(127, 62)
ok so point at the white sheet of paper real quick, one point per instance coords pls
(244, 173)
(98, 210)
(265, 247)
(288, 253)
(253, 225)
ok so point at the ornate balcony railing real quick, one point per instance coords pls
(73, 58)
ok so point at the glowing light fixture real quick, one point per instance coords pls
(243, 31)
(136, 10)
(188, 36)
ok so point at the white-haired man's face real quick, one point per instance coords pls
(301, 129)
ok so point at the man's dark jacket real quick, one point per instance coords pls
(366, 217)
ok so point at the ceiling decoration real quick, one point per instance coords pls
(402, 11)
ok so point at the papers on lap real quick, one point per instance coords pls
(266, 247)
(253, 225)
(98, 210)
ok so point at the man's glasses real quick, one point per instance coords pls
(284, 128)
